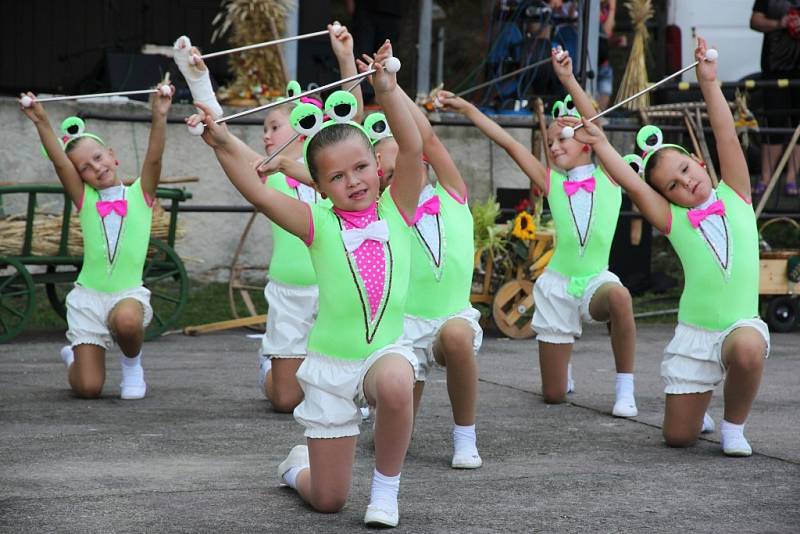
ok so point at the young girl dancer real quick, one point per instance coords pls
(360, 250)
(440, 322)
(108, 303)
(291, 292)
(714, 233)
(576, 287)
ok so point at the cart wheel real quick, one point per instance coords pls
(782, 314)
(62, 282)
(16, 298)
(513, 309)
(165, 276)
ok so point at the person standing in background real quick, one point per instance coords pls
(779, 21)
(605, 74)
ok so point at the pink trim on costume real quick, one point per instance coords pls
(79, 203)
(291, 182)
(148, 199)
(310, 226)
(456, 196)
(353, 216)
(747, 201)
(408, 220)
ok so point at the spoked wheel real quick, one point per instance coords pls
(16, 298)
(61, 280)
(240, 293)
(512, 309)
(165, 276)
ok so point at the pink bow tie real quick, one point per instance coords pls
(699, 215)
(291, 182)
(104, 207)
(429, 207)
(572, 187)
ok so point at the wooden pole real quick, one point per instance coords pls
(773, 181)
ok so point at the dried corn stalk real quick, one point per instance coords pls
(259, 74)
(635, 77)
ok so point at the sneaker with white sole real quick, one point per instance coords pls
(264, 365)
(298, 457)
(735, 445)
(625, 407)
(708, 424)
(466, 459)
(379, 517)
(133, 386)
(570, 381)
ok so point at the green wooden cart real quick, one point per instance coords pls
(164, 273)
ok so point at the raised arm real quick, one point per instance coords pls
(66, 171)
(733, 165)
(151, 168)
(406, 184)
(288, 166)
(289, 213)
(653, 206)
(342, 45)
(521, 155)
(562, 65)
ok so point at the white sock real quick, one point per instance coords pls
(264, 365)
(290, 476)
(731, 430)
(67, 355)
(132, 368)
(624, 386)
(384, 491)
(708, 424)
(570, 381)
(464, 438)
(199, 81)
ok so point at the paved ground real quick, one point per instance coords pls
(199, 453)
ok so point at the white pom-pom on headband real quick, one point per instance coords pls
(711, 55)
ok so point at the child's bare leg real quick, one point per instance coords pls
(281, 386)
(126, 324)
(612, 302)
(326, 483)
(683, 417)
(87, 374)
(388, 387)
(743, 356)
(454, 351)
(553, 362)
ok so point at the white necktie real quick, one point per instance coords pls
(376, 231)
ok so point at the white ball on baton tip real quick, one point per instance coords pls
(336, 28)
(197, 129)
(165, 90)
(392, 64)
(26, 101)
(568, 132)
(712, 54)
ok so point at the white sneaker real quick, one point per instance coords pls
(735, 445)
(133, 386)
(264, 365)
(298, 457)
(466, 459)
(364, 413)
(708, 424)
(379, 517)
(625, 407)
(67, 355)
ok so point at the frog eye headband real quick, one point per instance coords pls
(377, 127)
(565, 108)
(72, 129)
(307, 119)
(650, 140)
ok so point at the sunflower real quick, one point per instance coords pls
(524, 228)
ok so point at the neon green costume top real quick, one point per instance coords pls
(101, 271)
(442, 256)
(362, 293)
(585, 221)
(721, 284)
(291, 263)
